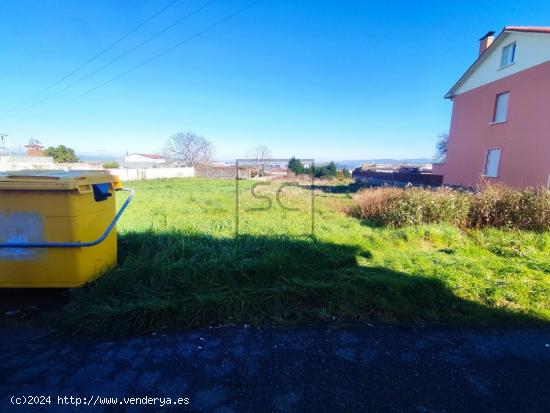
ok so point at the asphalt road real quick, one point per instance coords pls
(318, 369)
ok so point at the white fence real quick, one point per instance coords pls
(10, 163)
(152, 173)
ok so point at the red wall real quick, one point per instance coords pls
(524, 138)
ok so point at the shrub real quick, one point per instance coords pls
(493, 206)
(374, 204)
(411, 206)
(111, 165)
(504, 207)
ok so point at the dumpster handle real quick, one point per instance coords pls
(75, 244)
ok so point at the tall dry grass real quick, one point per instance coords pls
(499, 206)
(495, 206)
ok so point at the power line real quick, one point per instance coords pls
(116, 59)
(136, 28)
(166, 51)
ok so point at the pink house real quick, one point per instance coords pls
(500, 127)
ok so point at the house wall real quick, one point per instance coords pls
(35, 151)
(438, 168)
(532, 49)
(524, 138)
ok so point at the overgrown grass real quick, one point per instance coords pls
(181, 265)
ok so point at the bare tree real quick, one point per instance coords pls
(189, 147)
(261, 153)
(441, 147)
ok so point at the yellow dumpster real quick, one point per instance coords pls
(57, 228)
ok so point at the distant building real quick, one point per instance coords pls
(34, 149)
(277, 171)
(144, 158)
(500, 122)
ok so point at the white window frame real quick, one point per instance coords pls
(496, 111)
(485, 166)
(505, 54)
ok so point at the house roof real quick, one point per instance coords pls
(507, 29)
(148, 155)
(528, 29)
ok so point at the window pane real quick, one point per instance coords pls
(501, 107)
(508, 55)
(503, 58)
(491, 164)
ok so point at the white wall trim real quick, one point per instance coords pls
(532, 49)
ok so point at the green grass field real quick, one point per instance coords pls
(181, 265)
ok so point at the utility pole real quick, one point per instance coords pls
(4, 148)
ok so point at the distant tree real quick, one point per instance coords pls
(34, 141)
(327, 170)
(343, 174)
(346, 173)
(61, 154)
(296, 166)
(441, 147)
(261, 153)
(316, 171)
(331, 169)
(189, 147)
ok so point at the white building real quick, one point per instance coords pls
(144, 158)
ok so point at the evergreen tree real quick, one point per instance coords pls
(296, 166)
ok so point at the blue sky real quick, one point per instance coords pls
(330, 79)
